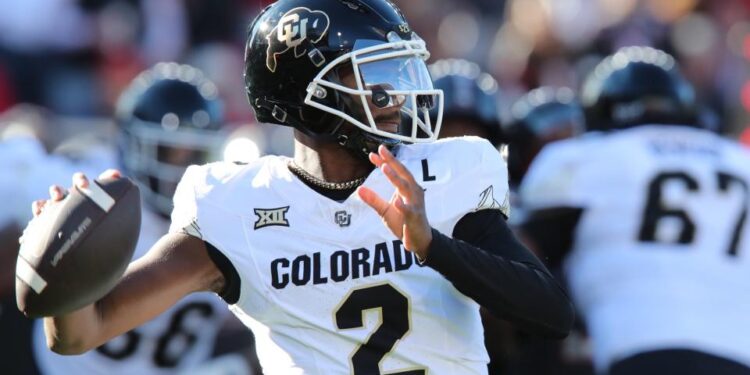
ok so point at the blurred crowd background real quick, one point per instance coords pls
(73, 57)
(63, 63)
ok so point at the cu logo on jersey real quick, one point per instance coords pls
(342, 218)
(296, 29)
(271, 217)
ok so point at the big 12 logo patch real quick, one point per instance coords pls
(294, 28)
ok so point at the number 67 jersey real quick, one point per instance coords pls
(660, 257)
(324, 285)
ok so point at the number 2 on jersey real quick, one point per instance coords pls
(394, 317)
(656, 210)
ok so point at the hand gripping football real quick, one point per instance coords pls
(77, 249)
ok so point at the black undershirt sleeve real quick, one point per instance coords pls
(231, 292)
(486, 262)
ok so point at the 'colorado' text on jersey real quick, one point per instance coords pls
(325, 286)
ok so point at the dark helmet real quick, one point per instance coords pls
(169, 117)
(299, 51)
(541, 116)
(470, 95)
(635, 86)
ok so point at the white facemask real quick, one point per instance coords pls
(387, 74)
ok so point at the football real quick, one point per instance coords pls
(77, 249)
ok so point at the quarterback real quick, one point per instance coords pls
(368, 252)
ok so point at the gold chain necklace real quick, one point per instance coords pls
(305, 175)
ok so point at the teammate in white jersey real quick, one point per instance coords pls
(385, 280)
(648, 216)
(169, 117)
(542, 116)
(28, 170)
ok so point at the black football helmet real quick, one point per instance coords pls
(635, 86)
(298, 53)
(543, 115)
(470, 95)
(169, 117)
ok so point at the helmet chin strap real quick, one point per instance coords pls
(361, 143)
(358, 142)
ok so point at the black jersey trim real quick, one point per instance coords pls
(231, 291)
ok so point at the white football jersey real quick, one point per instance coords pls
(325, 286)
(27, 173)
(661, 254)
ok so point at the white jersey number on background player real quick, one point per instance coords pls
(660, 254)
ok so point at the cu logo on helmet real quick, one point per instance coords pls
(293, 28)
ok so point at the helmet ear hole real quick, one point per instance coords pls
(320, 122)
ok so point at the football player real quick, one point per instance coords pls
(538, 118)
(647, 213)
(542, 116)
(471, 98)
(28, 168)
(368, 252)
(169, 117)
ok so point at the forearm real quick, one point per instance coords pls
(500, 274)
(72, 333)
(148, 288)
(114, 314)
